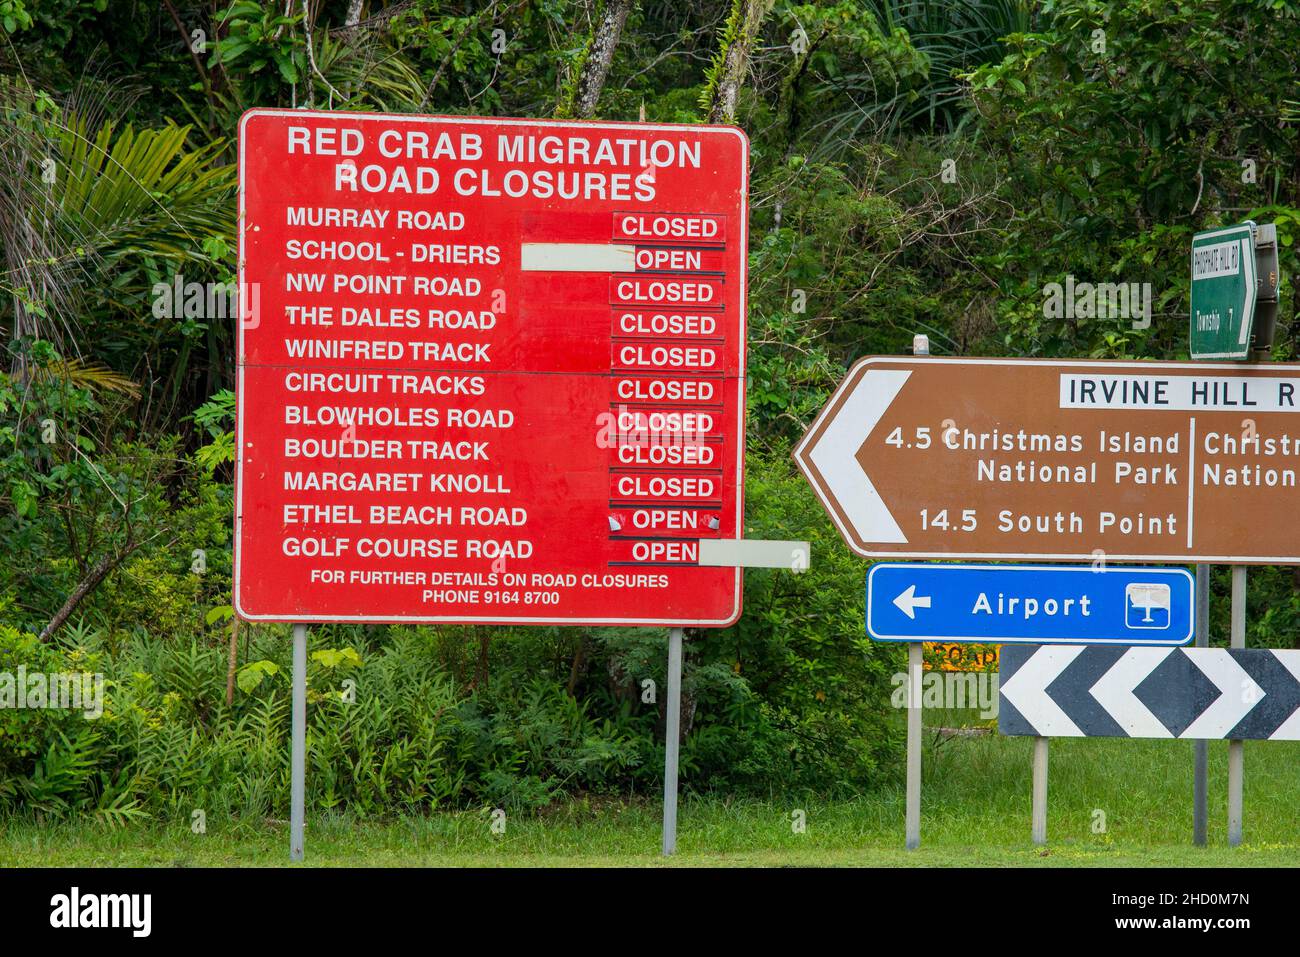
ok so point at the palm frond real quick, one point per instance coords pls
(953, 38)
(93, 376)
(128, 192)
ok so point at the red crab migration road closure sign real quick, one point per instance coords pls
(490, 371)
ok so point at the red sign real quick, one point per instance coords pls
(490, 371)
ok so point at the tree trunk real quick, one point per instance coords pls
(742, 29)
(481, 672)
(600, 55)
(198, 63)
(354, 13)
(88, 584)
(787, 104)
(579, 666)
(98, 572)
(691, 638)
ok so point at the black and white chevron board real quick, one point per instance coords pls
(1065, 691)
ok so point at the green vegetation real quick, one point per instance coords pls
(408, 721)
(975, 813)
(916, 167)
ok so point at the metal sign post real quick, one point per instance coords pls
(1236, 748)
(912, 816)
(1039, 813)
(298, 751)
(1200, 747)
(1266, 277)
(672, 738)
(1262, 277)
(795, 556)
(915, 663)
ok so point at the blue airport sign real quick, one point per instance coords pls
(1038, 604)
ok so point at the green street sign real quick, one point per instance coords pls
(1223, 292)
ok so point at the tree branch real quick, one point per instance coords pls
(742, 29)
(599, 58)
(88, 584)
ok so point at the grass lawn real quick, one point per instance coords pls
(975, 811)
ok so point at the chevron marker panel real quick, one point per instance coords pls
(1059, 691)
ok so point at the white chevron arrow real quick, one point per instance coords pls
(1289, 730)
(1248, 269)
(1238, 693)
(1026, 690)
(835, 456)
(1114, 692)
(908, 601)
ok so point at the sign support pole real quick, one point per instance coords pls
(1262, 343)
(297, 798)
(913, 814)
(672, 739)
(1200, 747)
(1040, 791)
(915, 660)
(1236, 749)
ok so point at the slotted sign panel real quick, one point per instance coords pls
(489, 370)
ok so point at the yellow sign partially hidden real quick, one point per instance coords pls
(947, 656)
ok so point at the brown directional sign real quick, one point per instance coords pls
(1020, 458)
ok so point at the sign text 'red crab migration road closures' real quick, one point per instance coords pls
(490, 370)
(1003, 458)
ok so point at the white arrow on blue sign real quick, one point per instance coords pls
(1032, 604)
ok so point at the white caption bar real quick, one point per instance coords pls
(576, 257)
(1180, 393)
(1219, 259)
(754, 553)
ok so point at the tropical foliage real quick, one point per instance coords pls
(918, 167)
